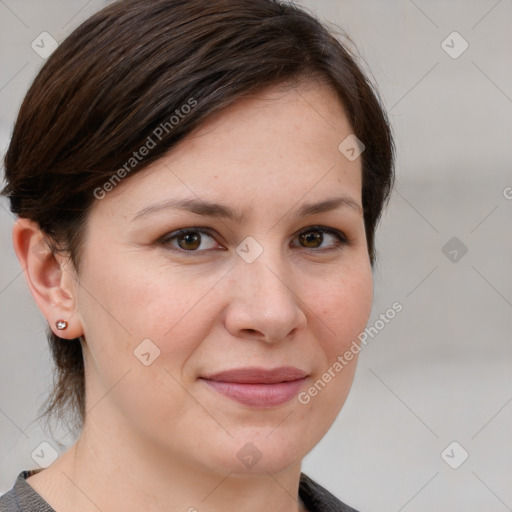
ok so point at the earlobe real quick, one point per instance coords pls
(49, 278)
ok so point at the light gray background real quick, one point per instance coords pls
(441, 371)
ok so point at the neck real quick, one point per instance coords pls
(108, 471)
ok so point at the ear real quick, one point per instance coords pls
(50, 277)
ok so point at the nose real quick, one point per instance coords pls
(264, 301)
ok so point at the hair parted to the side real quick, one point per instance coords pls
(123, 73)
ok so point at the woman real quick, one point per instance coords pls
(198, 185)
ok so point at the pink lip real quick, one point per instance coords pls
(258, 387)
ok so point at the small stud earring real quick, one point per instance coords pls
(61, 325)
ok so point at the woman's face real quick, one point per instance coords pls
(261, 279)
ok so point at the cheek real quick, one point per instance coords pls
(129, 300)
(339, 311)
(343, 305)
(140, 332)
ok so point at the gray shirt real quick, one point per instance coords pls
(23, 497)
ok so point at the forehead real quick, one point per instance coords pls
(273, 146)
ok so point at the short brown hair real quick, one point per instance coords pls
(124, 72)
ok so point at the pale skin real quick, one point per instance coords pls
(156, 438)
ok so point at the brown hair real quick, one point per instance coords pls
(124, 73)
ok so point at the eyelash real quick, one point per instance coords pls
(341, 239)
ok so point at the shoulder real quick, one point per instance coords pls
(8, 502)
(22, 497)
(318, 499)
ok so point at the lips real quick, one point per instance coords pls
(258, 387)
(259, 375)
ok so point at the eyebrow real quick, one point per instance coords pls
(210, 209)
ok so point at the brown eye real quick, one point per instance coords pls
(190, 241)
(321, 238)
(311, 239)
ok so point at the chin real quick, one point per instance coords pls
(261, 450)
